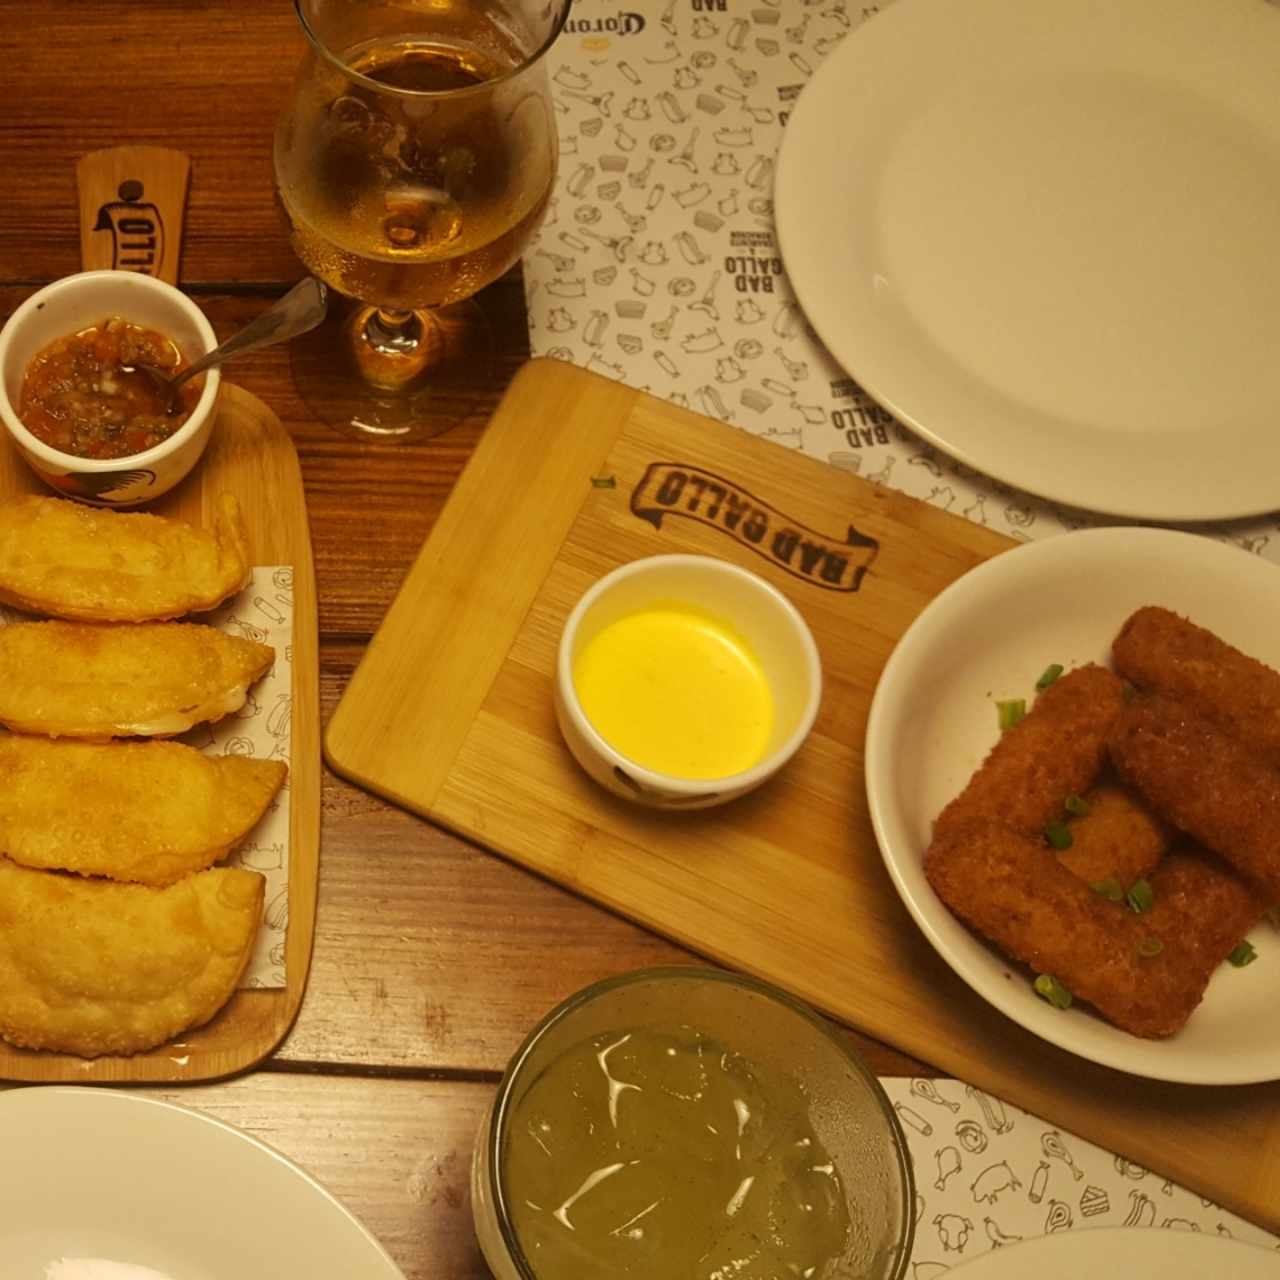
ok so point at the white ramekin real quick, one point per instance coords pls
(757, 610)
(74, 303)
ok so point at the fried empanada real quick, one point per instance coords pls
(70, 561)
(149, 812)
(91, 967)
(145, 679)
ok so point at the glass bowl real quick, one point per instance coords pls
(848, 1110)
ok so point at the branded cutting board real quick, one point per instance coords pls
(450, 715)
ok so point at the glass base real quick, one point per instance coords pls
(394, 394)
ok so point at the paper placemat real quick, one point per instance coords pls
(989, 1175)
(658, 265)
(263, 611)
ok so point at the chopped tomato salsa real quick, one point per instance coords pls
(84, 395)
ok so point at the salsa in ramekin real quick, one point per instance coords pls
(84, 395)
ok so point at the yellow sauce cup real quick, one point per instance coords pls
(684, 681)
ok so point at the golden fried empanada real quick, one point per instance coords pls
(70, 561)
(149, 812)
(92, 967)
(145, 679)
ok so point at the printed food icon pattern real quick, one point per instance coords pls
(989, 1175)
(658, 264)
(263, 610)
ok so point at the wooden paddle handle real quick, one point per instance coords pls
(131, 204)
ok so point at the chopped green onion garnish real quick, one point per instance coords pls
(1076, 806)
(1047, 987)
(604, 482)
(1059, 835)
(1011, 711)
(1051, 673)
(1243, 954)
(1150, 947)
(1112, 890)
(1128, 690)
(1140, 896)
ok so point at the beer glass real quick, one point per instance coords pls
(413, 161)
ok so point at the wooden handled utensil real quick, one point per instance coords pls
(132, 201)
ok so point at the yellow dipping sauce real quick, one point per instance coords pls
(676, 690)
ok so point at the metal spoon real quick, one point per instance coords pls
(301, 309)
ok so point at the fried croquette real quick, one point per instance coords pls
(70, 561)
(1003, 884)
(149, 812)
(1119, 840)
(1162, 653)
(91, 967)
(1202, 907)
(1204, 783)
(1058, 750)
(145, 679)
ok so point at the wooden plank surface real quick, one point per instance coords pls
(479, 948)
(469, 967)
(786, 883)
(250, 455)
(206, 78)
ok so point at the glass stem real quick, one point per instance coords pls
(393, 333)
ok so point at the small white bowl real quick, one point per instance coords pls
(74, 303)
(769, 623)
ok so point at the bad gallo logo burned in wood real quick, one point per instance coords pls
(137, 230)
(676, 489)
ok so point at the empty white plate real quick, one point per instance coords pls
(96, 1184)
(1043, 235)
(933, 719)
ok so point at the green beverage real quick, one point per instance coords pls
(661, 1155)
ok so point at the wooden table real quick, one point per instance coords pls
(432, 957)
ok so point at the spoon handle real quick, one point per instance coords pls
(301, 309)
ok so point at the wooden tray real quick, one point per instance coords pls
(450, 715)
(251, 455)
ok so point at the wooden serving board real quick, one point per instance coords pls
(450, 715)
(251, 455)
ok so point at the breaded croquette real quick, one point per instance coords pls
(1201, 907)
(1058, 750)
(145, 679)
(1003, 883)
(148, 812)
(1119, 840)
(1161, 653)
(91, 967)
(70, 561)
(1204, 783)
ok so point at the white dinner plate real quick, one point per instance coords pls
(1136, 1253)
(933, 719)
(1044, 236)
(89, 1175)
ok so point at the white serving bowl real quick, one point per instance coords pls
(74, 303)
(769, 623)
(933, 719)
